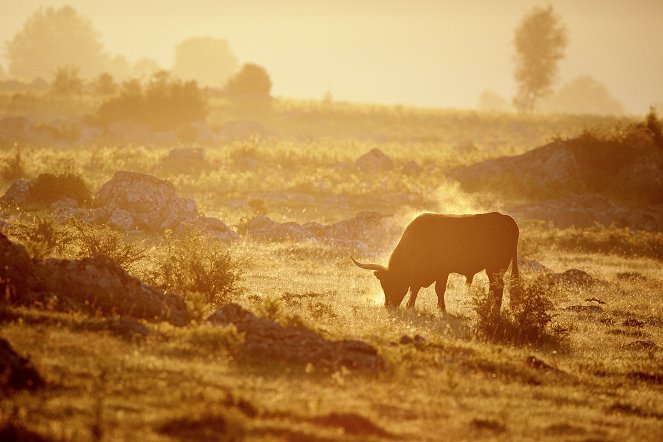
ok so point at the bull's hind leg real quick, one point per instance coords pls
(496, 291)
(440, 289)
(414, 291)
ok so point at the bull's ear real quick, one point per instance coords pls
(379, 274)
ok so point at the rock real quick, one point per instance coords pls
(265, 338)
(100, 286)
(574, 277)
(16, 371)
(15, 265)
(531, 266)
(121, 219)
(144, 201)
(210, 226)
(547, 170)
(365, 228)
(587, 210)
(96, 286)
(185, 160)
(374, 161)
(368, 227)
(15, 432)
(412, 168)
(18, 193)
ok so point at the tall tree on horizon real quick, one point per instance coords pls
(540, 41)
(54, 37)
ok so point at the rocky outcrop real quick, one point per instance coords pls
(587, 210)
(16, 371)
(546, 171)
(96, 286)
(138, 200)
(365, 229)
(581, 165)
(265, 338)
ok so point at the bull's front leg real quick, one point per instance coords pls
(440, 289)
(414, 291)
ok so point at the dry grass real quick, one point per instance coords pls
(604, 383)
(443, 380)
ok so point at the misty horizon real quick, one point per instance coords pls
(432, 54)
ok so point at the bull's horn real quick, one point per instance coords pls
(368, 266)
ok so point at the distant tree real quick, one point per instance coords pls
(51, 38)
(540, 40)
(117, 66)
(583, 95)
(67, 81)
(207, 60)
(105, 84)
(145, 68)
(164, 104)
(250, 84)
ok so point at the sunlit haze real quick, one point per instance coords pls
(423, 53)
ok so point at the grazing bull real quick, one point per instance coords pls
(435, 245)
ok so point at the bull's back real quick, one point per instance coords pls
(466, 244)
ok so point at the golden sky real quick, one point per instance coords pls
(425, 53)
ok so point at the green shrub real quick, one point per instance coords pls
(48, 188)
(526, 320)
(195, 263)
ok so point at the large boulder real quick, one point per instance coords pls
(587, 210)
(265, 338)
(16, 371)
(546, 171)
(138, 200)
(96, 286)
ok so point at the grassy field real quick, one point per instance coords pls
(599, 379)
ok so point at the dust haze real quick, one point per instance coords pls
(436, 54)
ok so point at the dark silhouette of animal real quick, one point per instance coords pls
(434, 245)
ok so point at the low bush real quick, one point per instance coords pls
(526, 320)
(195, 263)
(164, 104)
(48, 188)
(42, 235)
(94, 241)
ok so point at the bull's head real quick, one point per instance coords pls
(392, 285)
